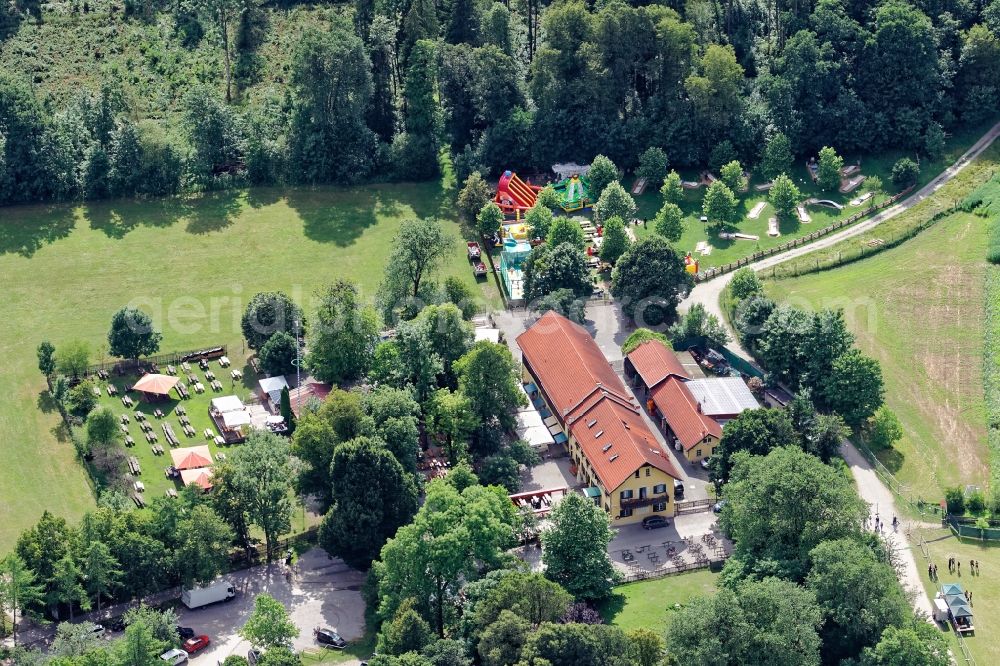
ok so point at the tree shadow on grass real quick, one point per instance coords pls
(335, 215)
(117, 217)
(45, 402)
(26, 230)
(892, 459)
(213, 212)
(611, 607)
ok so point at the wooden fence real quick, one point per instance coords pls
(170, 358)
(710, 273)
(671, 570)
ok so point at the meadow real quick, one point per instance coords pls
(649, 604)
(192, 263)
(940, 545)
(918, 309)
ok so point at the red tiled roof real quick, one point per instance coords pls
(654, 362)
(589, 398)
(300, 396)
(680, 409)
(617, 442)
(567, 362)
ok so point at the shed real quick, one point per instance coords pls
(271, 387)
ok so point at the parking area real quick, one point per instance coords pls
(321, 592)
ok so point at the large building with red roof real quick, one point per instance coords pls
(689, 411)
(614, 451)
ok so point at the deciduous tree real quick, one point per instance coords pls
(575, 549)
(343, 335)
(616, 240)
(267, 313)
(784, 196)
(782, 505)
(828, 173)
(669, 222)
(649, 280)
(269, 625)
(615, 202)
(373, 496)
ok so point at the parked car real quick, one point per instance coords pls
(253, 656)
(174, 657)
(717, 507)
(96, 630)
(185, 632)
(706, 463)
(654, 522)
(196, 644)
(329, 638)
(678, 490)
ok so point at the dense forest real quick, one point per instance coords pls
(153, 97)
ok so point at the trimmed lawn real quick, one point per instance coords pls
(918, 309)
(985, 589)
(192, 263)
(648, 604)
(725, 251)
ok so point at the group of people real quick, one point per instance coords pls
(879, 524)
(955, 566)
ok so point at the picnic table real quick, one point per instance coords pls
(219, 440)
(209, 434)
(171, 370)
(138, 485)
(224, 361)
(129, 441)
(180, 411)
(236, 374)
(139, 416)
(209, 375)
(112, 390)
(171, 493)
(133, 466)
(124, 428)
(137, 498)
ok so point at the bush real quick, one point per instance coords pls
(81, 399)
(884, 429)
(955, 501)
(905, 172)
(976, 503)
(993, 243)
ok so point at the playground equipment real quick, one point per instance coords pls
(512, 257)
(574, 193)
(690, 264)
(756, 211)
(514, 196)
(824, 202)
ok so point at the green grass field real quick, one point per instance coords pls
(985, 588)
(192, 263)
(725, 251)
(649, 604)
(918, 309)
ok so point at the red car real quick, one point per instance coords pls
(196, 644)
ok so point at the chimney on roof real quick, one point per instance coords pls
(699, 407)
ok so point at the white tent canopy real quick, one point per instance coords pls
(565, 170)
(235, 419)
(532, 429)
(227, 403)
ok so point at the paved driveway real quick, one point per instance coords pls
(322, 591)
